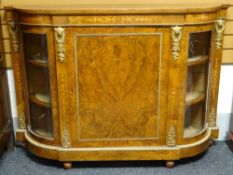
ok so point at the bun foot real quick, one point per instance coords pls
(170, 164)
(67, 165)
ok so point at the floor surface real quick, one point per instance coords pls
(218, 160)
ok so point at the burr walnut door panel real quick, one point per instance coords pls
(118, 85)
(41, 83)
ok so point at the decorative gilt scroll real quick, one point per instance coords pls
(66, 138)
(212, 118)
(171, 138)
(219, 29)
(14, 36)
(176, 36)
(21, 122)
(60, 38)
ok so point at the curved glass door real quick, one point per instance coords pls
(38, 82)
(196, 83)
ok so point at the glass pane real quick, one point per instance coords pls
(194, 119)
(41, 119)
(196, 83)
(37, 70)
(199, 44)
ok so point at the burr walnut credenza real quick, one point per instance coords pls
(104, 83)
(5, 112)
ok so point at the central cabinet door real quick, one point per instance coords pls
(118, 85)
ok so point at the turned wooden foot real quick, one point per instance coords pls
(170, 164)
(67, 165)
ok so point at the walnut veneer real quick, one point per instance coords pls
(117, 82)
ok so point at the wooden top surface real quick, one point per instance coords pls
(120, 9)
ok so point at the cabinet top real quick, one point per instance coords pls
(120, 9)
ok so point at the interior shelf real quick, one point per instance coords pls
(190, 131)
(194, 98)
(39, 63)
(42, 102)
(42, 132)
(197, 60)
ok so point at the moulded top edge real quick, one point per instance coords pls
(119, 9)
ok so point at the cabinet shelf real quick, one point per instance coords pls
(190, 131)
(194, 98)
(34, 99)
(197, 60)
(37, 63)
(41, 132)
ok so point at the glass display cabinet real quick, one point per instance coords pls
(117, 83)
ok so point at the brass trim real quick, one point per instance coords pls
(60, 38)
(66, 138)
(212, 118)
(219, 29)
(22, 122)
(171, 137)
(14, 35)
(129, 148)
(120, 24)
(176, 37)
